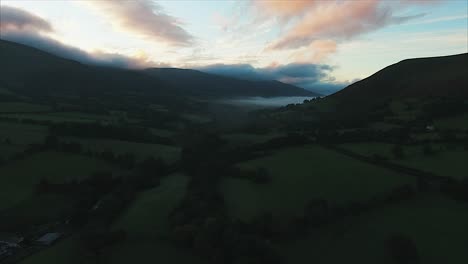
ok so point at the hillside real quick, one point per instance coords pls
(33, 72)
(199, 83)
(423, 77)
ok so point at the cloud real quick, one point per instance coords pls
(338, 20)
(28, 29)
(59, 49)
(315, 52)
(283, 9)
(145, 18)
(305, 75)
(12, 19)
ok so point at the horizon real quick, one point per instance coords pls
(303, 43)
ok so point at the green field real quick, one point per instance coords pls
(37, 210)
(305, 173)
(456, 122)
(146, 225)
(22, 107)
(445, 162)
(58, 117)
(237, 139)
(17, 179)
(66, 251)
(8, 151)
(149, 252)
(22, 134)
(436, 224)
(140, 150)
(147, 216)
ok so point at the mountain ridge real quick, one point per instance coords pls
(27, 68)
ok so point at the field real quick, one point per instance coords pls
(22, 107)
(77, 117)
(436, 224)
(147, 216)
(305, 173)
(447, 161)
(22, 134)
(8, 151)
(19, 177)
(237, 139)
(456, 122)
(37, 210)
(140, 150)
(146, 225)
(66, 251)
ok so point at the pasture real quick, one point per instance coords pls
(436, 224)
(304, 173)
(446, 161)
(147, 217)
(22, 107)
(18, 178)
(140, 150)
(22, 134)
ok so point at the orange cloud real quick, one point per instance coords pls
(284, 8)
(146, 18)
(316, 52)
(338, 20)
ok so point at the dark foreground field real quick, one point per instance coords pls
(94, 178)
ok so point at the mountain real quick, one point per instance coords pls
(194, 82)
(33, 72)
(423, 77)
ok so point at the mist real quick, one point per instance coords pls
(268, 102)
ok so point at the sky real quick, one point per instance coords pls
(321, 45)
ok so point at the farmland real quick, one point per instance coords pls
(447, 160)
(19, 178)
(311, 172)
(140, 150)
(421, 219)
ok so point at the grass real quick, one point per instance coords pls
(162, 132)
(18, 178)
(401, 109)
(455, 122)
(436, 224)
(37, 210)
(140, 150)
(149, 252)
(146, 225)
(66, 251)
(196, 118)
(5, 91)
(76, 117)
(446, 161)
(22, 107)
(148, 215)
(248, 139)
(304, 173)
(8, 151)
(22, 134)
(145, 222)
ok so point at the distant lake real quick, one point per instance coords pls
(268, 101)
